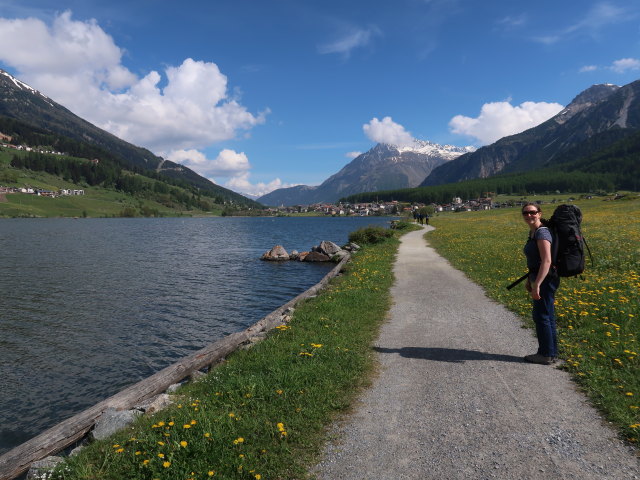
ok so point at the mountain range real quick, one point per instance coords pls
(384, 167)
(595, 119)
(21, 102)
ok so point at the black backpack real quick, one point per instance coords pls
(567, 250)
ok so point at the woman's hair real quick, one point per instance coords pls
(544, 221)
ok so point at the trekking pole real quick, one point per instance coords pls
(518, 281)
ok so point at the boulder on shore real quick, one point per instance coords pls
(328, 248)
(276, 254)
(316, 257)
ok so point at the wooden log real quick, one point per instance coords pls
(57, 438)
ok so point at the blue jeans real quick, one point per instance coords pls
(545, 317)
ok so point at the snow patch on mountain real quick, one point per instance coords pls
(24, 86)
(425, 147)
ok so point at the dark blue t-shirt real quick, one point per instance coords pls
(531, 248)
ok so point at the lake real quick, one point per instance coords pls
(91, 306)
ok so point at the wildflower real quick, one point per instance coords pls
(258, 476)
(207, 435)
(161, 455)
(166, 464)
(186, 426)
(193, 422)
(211, 473)
(120, 450)
(629, 394)
(238, 441)
(171, 424)
(161, 424)
(138, 452)
(183, 443)
(161, 444)
(145, 462)
(232, 415)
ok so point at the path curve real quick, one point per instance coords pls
(454, 400)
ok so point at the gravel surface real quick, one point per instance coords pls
(454, 400)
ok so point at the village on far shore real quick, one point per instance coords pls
(392, 208)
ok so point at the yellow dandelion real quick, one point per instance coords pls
(238, 441)
(166, 464)
(183, 443)
(211, 473)
(186, 426)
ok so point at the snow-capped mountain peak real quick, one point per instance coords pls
(426, 147)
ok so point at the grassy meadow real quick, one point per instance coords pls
(598, 315)
(264, 412)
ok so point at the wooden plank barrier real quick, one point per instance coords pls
(57, 438)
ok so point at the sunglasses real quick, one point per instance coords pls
(530, 213)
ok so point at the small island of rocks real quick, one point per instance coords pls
(325, 252)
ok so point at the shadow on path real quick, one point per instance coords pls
(448, 354)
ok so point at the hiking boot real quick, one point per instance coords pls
(540, 359)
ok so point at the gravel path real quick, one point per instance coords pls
(454, 400)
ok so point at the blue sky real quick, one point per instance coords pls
(261, 94)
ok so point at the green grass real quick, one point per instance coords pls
(263, 413)
(598, 316)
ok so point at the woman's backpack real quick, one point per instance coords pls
(567, 250)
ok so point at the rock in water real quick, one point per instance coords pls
(276, 254)
(316, 257)
(328, 248)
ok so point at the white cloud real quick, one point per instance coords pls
(230, 169)
(588, 68)
(352, 154)
(387, 131)
(193, 110)
(624, 64)
(600, 16)
(242, 184)
(228, 163)
(350, 40)
(500, 119)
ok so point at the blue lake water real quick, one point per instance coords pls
(90, 306)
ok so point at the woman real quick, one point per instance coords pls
(542, 284)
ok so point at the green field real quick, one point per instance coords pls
(598, 315)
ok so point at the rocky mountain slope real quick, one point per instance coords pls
(599, 116)
(384, 167)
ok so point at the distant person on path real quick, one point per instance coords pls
(426, 218)
(542, 284)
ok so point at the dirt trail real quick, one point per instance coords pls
(454, 400)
